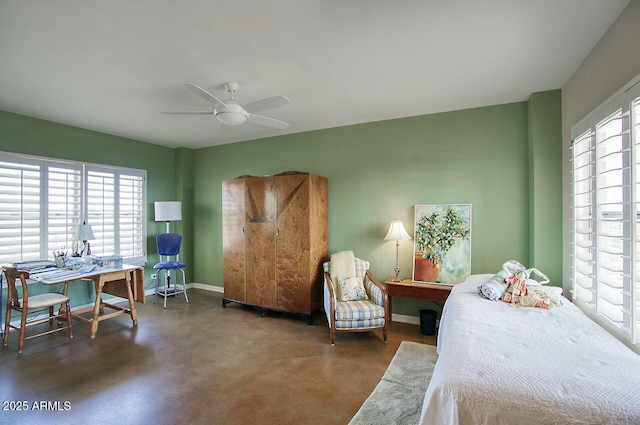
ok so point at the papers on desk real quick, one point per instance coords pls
(34, 266)
(53, 275)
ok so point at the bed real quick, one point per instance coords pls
(500, 364)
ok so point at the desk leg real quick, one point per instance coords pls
(62, 310)
(132, 306)
(96, 307)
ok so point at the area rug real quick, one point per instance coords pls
(398, 397)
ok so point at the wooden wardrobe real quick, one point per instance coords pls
(274, 239)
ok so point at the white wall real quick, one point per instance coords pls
(612, 63)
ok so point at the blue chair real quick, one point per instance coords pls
(169, 246)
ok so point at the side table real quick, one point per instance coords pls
(411, 289)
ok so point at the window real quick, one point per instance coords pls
(42, 201)
(605, 195)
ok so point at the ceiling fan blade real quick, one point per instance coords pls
(187, 113)
(267, 122)
(199, 91)
(268, 103)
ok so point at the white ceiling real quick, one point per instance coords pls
(112, 66)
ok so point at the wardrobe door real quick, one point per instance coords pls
(260, 234)
(292, 243)
(233, 246)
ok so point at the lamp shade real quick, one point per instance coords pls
(397, 232)
(168, 211)
(84, 233)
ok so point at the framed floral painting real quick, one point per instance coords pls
(442, 243)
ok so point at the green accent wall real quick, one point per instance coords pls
(545, 184)
(501, 159)
(377, 172)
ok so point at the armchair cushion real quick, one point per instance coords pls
(358, 310)
(359, 324)
(352, 289)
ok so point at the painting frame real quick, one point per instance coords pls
(442, 243)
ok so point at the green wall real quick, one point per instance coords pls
(500, 159)
(378, 171)
(545, 183)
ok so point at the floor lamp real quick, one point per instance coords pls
(397, 233)
(168, 211)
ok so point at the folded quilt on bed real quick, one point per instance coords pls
(514, 285)
(495, 287)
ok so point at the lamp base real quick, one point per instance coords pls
(397, 270)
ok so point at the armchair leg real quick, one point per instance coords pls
(384, 335)
(333, 337)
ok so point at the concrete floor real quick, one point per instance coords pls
(196, 363)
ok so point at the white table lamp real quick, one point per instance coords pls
(397, 233)
(84, 233)
(168, 211)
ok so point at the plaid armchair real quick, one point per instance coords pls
(356, 316)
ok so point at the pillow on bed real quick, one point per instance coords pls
(471, 283)
(352, 289)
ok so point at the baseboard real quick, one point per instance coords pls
(400, 318)
(204, 287)
(412, 320)
(195, 285)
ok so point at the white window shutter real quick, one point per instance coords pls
(605, 196)
(101, 211)
(64, 205)
(131, 220)
(20, 210)
(583, 194)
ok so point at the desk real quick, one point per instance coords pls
(411, 289)
(125, 282)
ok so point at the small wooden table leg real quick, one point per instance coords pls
(97, 306)
(132, 307)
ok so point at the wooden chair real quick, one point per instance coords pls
(356, 316)
(29, 305)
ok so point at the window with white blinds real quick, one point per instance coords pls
(42, 201)
(20, 209)
(115, 202)
(605, 195)
(63, 200)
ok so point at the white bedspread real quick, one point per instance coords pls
(504, 365)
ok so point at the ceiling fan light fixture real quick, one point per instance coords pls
(233, 114)
(231, 118)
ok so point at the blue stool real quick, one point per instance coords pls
(169, 246)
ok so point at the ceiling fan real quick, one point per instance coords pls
(230, 112)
